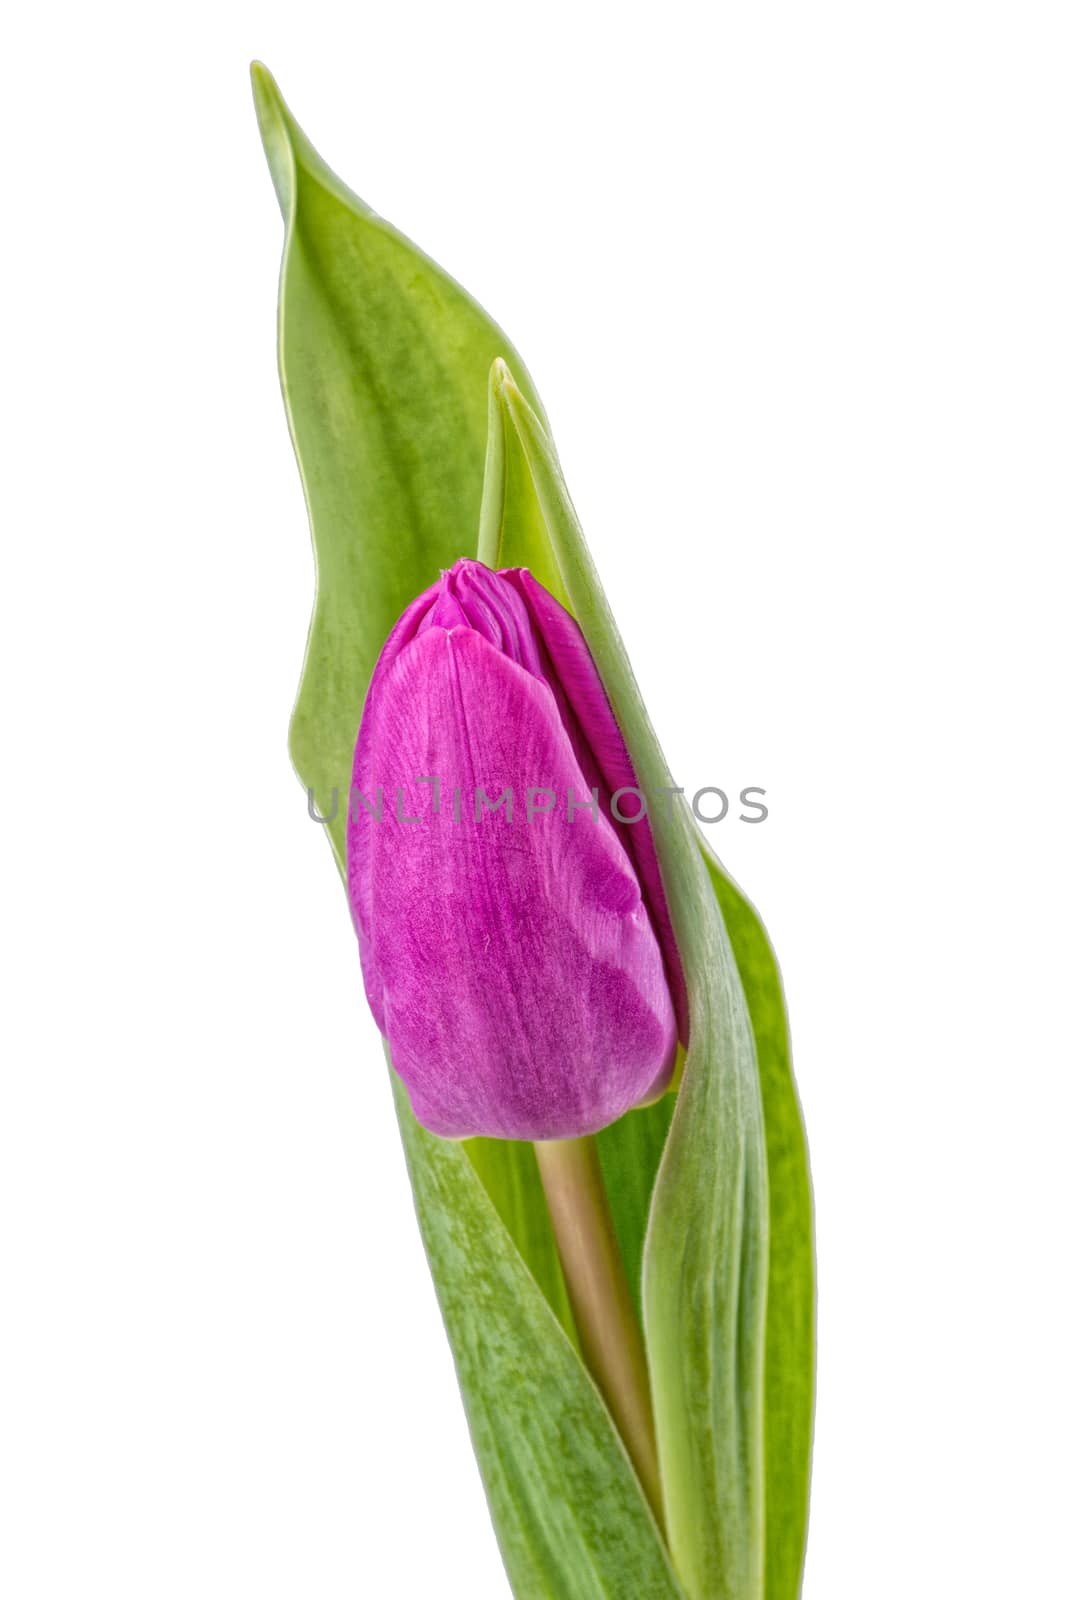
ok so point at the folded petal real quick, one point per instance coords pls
(564, 648)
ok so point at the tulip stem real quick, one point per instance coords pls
(600, 1298)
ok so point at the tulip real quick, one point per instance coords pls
(516, 948)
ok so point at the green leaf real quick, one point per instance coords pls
(569, 1514)
(383, 364)
(706, 1254)
(789, 1366)
(788, 1358)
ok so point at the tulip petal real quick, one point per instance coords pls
(515, 971)
(581, 684)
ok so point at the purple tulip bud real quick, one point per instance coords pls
(516, 947)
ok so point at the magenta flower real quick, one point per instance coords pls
(516, 948)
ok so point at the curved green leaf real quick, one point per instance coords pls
(705, 1274)
(789, 1363)
(383, 363)
(514, 532)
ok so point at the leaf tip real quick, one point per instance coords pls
(503, 389)
(500, 378)
(274, 129)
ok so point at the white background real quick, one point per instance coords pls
(791, 280)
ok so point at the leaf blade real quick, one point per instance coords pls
(705, 1262)
(382, 360)
(368, 329)
(789, 1381)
